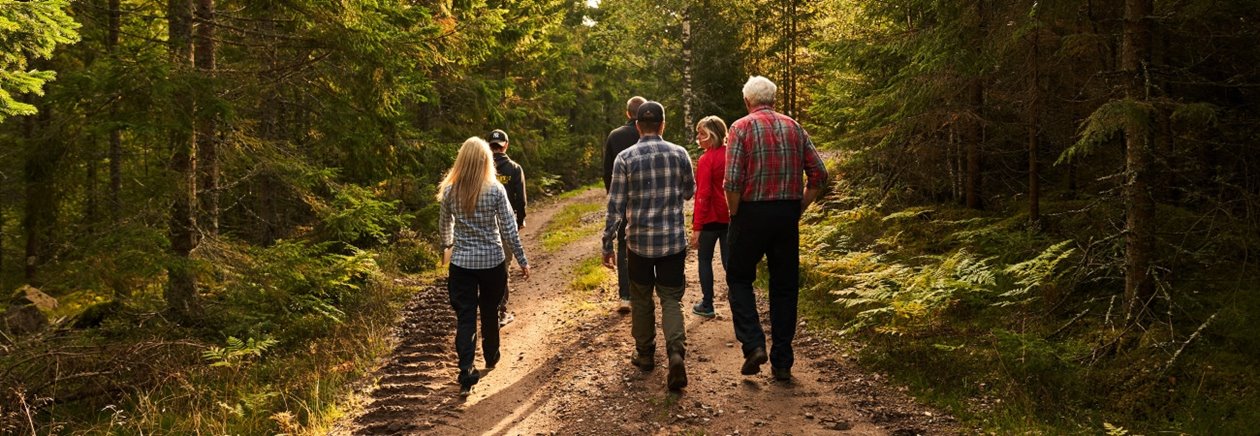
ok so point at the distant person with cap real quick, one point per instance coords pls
(510, 174)
(650, 182)
(619, 140)
(768, 160)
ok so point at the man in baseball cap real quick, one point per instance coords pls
(659, 174)
(510, 174)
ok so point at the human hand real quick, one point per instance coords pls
(446, 256)
(694, 243)
(525, 272)
(610, 260)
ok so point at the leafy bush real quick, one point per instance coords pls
(293, 290)
(356, 216)
(892, 288)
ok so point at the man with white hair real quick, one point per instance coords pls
(768, 156)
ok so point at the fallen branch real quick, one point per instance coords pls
(1070, 322)
(1185, 344)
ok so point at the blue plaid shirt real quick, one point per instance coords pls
(650, 182)
(479, 239)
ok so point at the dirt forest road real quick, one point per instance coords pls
(565, 369)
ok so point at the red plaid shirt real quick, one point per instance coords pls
(767, 152)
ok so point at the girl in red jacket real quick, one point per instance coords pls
(711, 215)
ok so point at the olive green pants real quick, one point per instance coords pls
(665, 276)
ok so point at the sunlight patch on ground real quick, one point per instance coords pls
(574, 222)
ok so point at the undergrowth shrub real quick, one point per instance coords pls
(1022, 328)
(293, 290)
(356, 216)
(287, 328)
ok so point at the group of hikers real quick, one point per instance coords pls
(750, 185)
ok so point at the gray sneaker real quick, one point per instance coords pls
(623, 307)
(702, 310)
(506, 318)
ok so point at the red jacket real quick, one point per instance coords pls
(710, 198)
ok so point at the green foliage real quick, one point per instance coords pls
(292, 290)
(29, 30)
(590, 275)
(1035, 273)
(572, 223)
(237, 352)
(903, 299)
(408, 254)
(358, 217)
(1106, 122)
(1114, 430)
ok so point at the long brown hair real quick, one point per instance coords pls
(472, 172)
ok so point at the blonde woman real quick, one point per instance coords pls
(711, 217)
(475, 220)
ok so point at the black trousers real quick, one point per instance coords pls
(770, 229)
(470, 290)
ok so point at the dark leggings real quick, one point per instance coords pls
(470, 290)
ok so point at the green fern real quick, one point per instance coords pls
(1036, 273)
(237, 352)
(1114, 430)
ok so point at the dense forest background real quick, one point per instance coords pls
(1041, 218)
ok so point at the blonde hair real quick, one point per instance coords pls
(473, 172)
(760, 90)
(715, 126)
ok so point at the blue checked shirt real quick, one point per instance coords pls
(650, 182)
(479, 239)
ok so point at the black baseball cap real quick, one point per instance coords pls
(651, 112)
(497, 137)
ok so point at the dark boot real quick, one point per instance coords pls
(677, 378)
(643, 361)
(753, 361)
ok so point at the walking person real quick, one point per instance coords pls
(767, 154)
(650, 183)
(510, 174)
(710, 217)
(474, 220)
(618, 140)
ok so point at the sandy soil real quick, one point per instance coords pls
(565, 370)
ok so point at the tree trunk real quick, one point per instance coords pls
(207, 122)
(3, 283)
(1139, 205)
(43, 157)
(688, 122)
(793, 109)
(975, 144)
(181, 287)
(89, 207)
(1034, 126)
(115, 132)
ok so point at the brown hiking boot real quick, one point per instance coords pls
(677, 378)
(643, 361)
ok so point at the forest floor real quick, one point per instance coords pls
(565, 368)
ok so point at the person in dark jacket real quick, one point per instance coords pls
(512, 177)
(619, 140)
